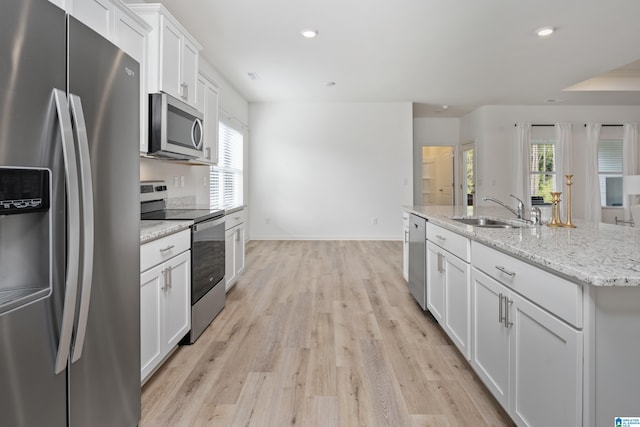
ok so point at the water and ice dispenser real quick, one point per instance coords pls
(25, 236)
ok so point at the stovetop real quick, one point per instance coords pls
(195, 215)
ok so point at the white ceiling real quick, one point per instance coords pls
(460, 53)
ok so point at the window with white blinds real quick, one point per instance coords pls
(225, 179)
(542, 168)
(610, 171)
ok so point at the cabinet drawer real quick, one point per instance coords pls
(556, 295)
(158, 251)
(452, 242)
(234, 218)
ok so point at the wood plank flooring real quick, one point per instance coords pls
(320, 333)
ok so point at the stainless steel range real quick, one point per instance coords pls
(207, 252)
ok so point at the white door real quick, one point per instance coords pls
(229, 257)
(239, 250)
(170, 66)
(457, 302)
(177, 294)
(437, 175)
(189, 70)
(546, 354)
(490, 339)
(435, 281)
(151, 300)
(444, 177)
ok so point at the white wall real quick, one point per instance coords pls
(493, 129)
(325, 170)
(431, 131)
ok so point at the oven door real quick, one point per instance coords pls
(207, 256)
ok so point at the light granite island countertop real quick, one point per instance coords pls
(593, 253)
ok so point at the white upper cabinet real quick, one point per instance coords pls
(207, 104)
(113, 20)
(173, 56)
(97, 14)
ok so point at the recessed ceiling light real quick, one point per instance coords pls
(545, 31)
(309, 33)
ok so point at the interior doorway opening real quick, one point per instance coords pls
(468, 181)
(438, 172)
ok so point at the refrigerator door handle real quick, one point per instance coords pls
(87, 232)
(73, 230)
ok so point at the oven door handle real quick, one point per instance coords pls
(204, 225)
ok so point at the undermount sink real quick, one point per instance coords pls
(486, 222)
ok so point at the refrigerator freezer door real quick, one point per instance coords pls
(32, 245)
(105, 380)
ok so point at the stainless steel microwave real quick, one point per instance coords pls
(175, 128)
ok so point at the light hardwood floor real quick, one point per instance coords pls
(320, 333)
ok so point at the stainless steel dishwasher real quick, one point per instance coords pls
(418, 259)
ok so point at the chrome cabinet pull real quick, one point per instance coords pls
(441, 237)
(169, 273)
(164, 280)
(168, 248)
(507, 304)
(505, 271)
(185, 90)
(500, 307)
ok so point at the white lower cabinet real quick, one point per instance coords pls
(530, 360)
(234, 247)
(405, 246)
(165, 302)
(448, 294)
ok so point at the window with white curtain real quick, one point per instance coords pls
(610, 171)
(226, 178)
(542, 168)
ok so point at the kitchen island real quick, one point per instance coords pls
(549, 318)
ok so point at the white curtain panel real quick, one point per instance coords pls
(523, 135)
(630, 163)
(564, 147)
(593, 210)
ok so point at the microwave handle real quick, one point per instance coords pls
(197, 144)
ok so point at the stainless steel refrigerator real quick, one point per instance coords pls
(69, 219)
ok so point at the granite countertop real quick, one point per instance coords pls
(152, 230)
(594, 253)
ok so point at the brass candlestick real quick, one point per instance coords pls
(568, 224)
(555, 210)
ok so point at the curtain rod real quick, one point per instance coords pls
(609, 126)
(536, 125)
(546, 125)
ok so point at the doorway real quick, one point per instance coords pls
(468, 178)
(438, 186)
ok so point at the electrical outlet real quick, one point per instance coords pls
(182, 181)
(267, 221)
(374, 221)
(176, 181)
